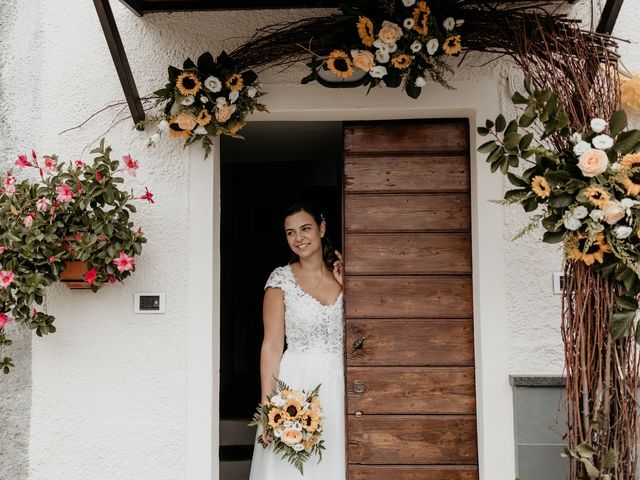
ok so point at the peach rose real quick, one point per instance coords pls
(390, 32)
(593, 162)
(613, 212)
(291, 436)
(363, 59)
(224, 113)
(186, 121)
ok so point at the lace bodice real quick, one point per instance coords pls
(310, 326)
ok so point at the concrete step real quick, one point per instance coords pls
(235, 470)
(236, 432)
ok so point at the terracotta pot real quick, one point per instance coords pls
(73, 273)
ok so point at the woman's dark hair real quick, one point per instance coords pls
(328, 253)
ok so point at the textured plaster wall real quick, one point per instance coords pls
(108, 395)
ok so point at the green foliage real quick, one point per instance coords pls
(40, 231)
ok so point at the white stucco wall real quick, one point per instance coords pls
(118, 395)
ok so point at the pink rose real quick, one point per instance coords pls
(613, 212)
(363, 59)
(593, 162)
(390, 32)
(291, 436)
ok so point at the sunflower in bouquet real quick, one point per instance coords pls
(294, 419)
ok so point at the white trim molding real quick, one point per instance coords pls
(474, 100)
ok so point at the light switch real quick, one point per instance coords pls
(148, 303)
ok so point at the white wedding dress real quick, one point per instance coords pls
(314, 356)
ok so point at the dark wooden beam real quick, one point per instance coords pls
(110, 29)
(609, 16)
(140, 7)
(135, 6)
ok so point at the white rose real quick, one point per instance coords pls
(596, 215)
(572, 224)
(233, 96)
(204, 99)
(200, 130)
(613, 212)
(432, 46)
(593, 162)
(580, 212)
(163, 126)
(186, 101)
(408, 23)
(278, 401)
(378, 71)
(389, 32)
(416, 46)
(382, 56)
(615, 167)
(420, 82)
(598, 125)
(622, 232)
(155, 137)
(213, 84)
(287, 423)
(221, 101)
(392, 47)
(297, 426)
(576, 137)
(581, 147)
(277, 432)
(602, 141)
(251, 91)
(379, 44)
(298, 447)
(627, 202)
(449, 23)
(408, 3)
(459, 22)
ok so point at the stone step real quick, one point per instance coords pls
(236, 432)
(235, 470)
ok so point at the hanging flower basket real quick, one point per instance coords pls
(73, 275)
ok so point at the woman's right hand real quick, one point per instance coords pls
(266, 438)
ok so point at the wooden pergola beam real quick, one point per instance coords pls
(140, 7)
(110, 29)
(609, 16)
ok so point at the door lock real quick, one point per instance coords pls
(358, 386)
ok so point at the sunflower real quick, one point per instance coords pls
(540, 186)
(401, 61)
(235, 82)
(310, 421)
(597, 196)
(452, 45)
(276, 417)
(595, 252)
(175, 131)
(421, 18)
(628, 178)
(292, 408)
(366, 31)
(204, 117)
(188, 84)
(340, 64)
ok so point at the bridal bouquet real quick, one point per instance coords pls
(294, 419)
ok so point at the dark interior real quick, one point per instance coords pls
(277, 164)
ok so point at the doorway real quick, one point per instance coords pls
(276, 165)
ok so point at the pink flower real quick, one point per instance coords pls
(147, 195)
(43, 204)
(1, 249)
(33, 154)
(50, 165)
(28, 220)
(6, 278)
(65, 194)
(111, 279)
(79, 236)
(4, 319)
(10, 190)
(124, 262)
(52, 259)
(99, 177)
(90, 276)
(10, 179)
(80, 164)
(131, 165)
(22, 162)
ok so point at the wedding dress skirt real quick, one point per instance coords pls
(314, 356)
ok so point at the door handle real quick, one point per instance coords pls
(358, 344)
(358, 386)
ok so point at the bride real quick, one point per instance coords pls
(303, 302)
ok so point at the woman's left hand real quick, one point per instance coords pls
(338, 268)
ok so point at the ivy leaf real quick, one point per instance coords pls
(553, 237)
(617, 122)
(206, 63)
(512, 127)
(591, 470)
(610, 460)
(525, 141)
(174, 73)
(487, 147)
(482, 131)
(511, 140)
(621, 323)
(501, 123)
(627, 303)
(249, 77)
(627, 141)
(557, 177)
(413, 91)
(585, 450)
(561, 201)
(188, 64)
(519, 99)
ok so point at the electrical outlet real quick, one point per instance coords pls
(148, 303)
(558, 282)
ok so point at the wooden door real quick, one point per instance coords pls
(407, 220)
